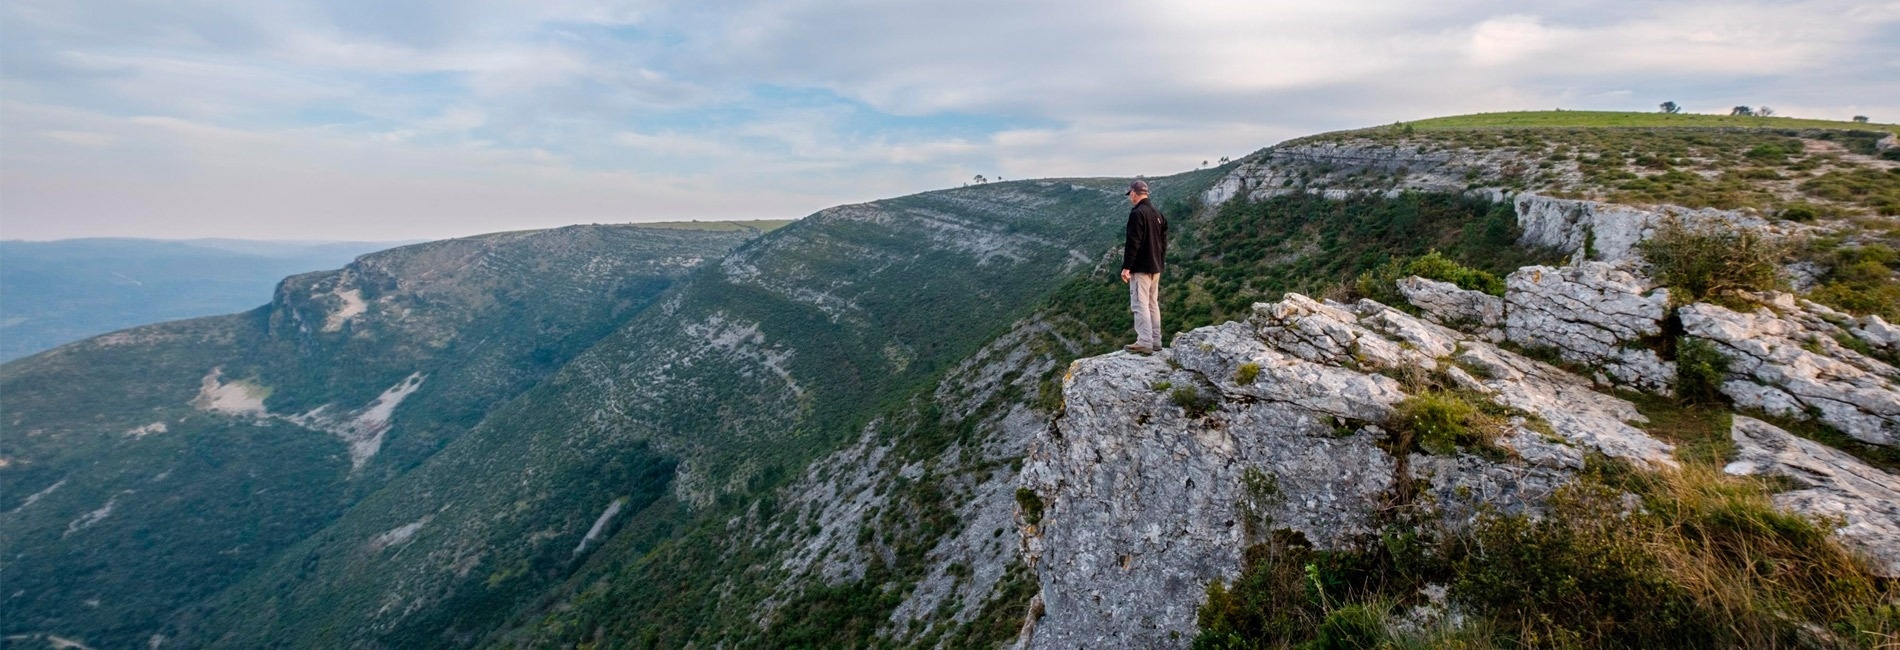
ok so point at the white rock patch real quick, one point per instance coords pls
(600, 524)
(36, 496)
(399, 535)
(353, 306)
(149, 429)
(363, 430)
(87, 520)
(235, 398)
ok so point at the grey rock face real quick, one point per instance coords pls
(1831, 485)
(1790, 364)
(1605, 231)
(1339, 170)
(1446, 304)
(1877, 333)
(1594, 313)
(1164, 468)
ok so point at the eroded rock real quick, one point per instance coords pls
(1595, 314)
(1791, 365)
(1831, 485)
(1164, 468)
(1446, 304)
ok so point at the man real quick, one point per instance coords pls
(1147, 244)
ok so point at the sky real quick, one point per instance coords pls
(391, 119)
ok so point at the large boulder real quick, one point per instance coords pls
(1595, 314)
(1788, 362)
(1446, 304)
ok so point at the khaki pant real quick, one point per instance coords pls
(1144, 299)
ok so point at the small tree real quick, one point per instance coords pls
(1765, 111)
(1860, 118)
(1741, 110)
(979, 179)
(1671, 107)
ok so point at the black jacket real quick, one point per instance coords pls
(1147, 239)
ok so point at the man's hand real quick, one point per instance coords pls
(1124, 275)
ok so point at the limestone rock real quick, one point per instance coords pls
(1446, 304)
(1609, 232)
(1831, 485)
(1596, 314)
(1788, 365)
(1164, 468)
(1877, 333)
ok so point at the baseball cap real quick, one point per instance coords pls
(1137, 186)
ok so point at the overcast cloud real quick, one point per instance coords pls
(369, 119)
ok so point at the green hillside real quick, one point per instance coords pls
(784, 434)
(779, 353)
(1618, 119)
(127, 496)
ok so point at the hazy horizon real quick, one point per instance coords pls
(366, 121)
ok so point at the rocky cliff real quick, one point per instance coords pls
(1164, 469)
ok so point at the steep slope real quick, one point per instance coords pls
(146, 469)
(57, 292)
(903, 538)
(777, 354)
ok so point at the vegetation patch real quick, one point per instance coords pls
(1861, 281)
(1700, 371)
(1031, 506)
(1705, 562)
(1246, 373)
(1708, 260)
(1193, 401)
(1381, 284)
(1441, 421)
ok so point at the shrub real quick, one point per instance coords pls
(1802, 211)
(1705, 260)
(1440, 421)
(1381, 283)
(1434, 266)
(1247, 373)
(1700, 371)
(1030, 504)
(1861, 282)
(1706, 561)
(1193, 401)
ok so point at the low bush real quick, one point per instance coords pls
(1381, 283)
(1702, 560)
(1030, 504)
(1705, 260)
(1700, 371)
(1861, 281)
(1434, 266)
(1247, 373)
(1440, 421)
(1193, 401)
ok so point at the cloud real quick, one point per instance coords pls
(360, 119)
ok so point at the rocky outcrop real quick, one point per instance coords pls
(1595, 314)
(1789, 362)
(1446, 304)
(1830, 485)
(1164, 468)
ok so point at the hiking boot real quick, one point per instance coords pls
(1138, 348)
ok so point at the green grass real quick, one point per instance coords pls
(1600, 119)
(1707, 561)
(763, 225)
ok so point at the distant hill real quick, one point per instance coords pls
(57, 292)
